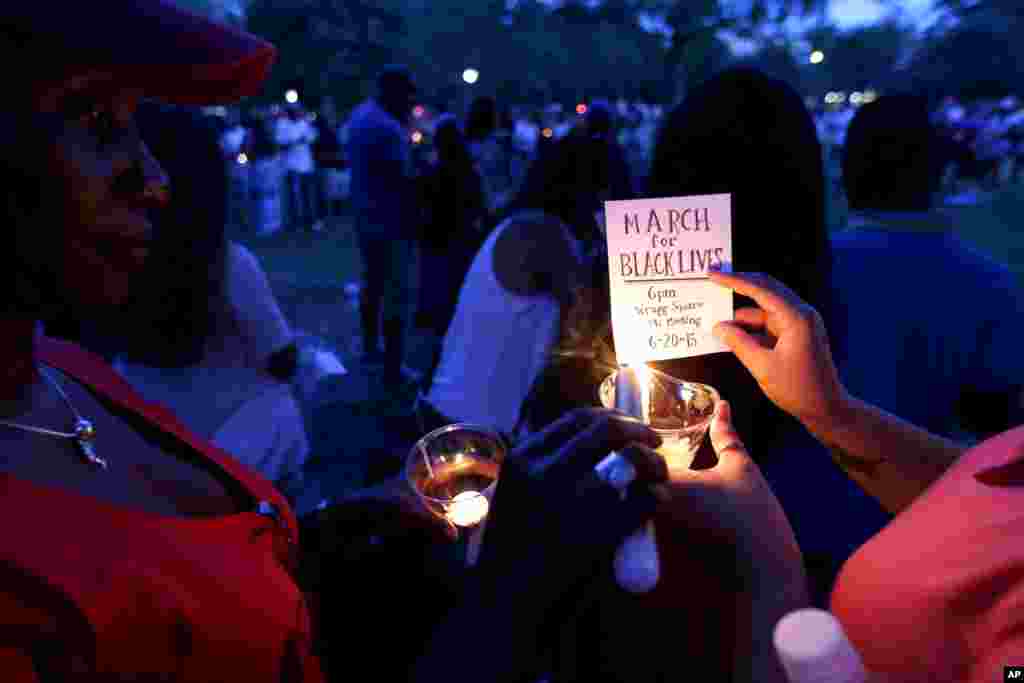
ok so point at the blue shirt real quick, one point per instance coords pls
(926, 317)
(919, 316)
(381, 163)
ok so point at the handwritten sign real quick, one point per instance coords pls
(659, 251)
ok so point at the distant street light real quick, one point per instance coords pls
(581, 109)
(817, 57)
(291, 97)
(470, 76)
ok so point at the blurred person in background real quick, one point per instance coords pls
(295, 134)
(507, 320)
(568, 180)
(386, 215)
(454, 214)
(487, 150)
(329, 160)
(267, 178)
(971, 371)
(599, 124)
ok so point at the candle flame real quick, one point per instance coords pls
(467, 509)
(645, 376)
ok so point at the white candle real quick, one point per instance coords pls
(813, 648)
(637, 567)
(467, 509)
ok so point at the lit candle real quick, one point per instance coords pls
(467, 509)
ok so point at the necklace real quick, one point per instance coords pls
(83, 436)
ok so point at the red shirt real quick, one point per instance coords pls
(96, 592)
(938, 594)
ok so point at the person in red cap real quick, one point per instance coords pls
(133, 549)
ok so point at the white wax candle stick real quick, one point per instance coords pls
(637, 568)
(813, 648)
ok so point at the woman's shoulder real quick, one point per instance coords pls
(950, 565)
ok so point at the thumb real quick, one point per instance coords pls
(748, 349)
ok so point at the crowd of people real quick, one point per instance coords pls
(866, 457)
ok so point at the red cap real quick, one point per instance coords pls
(172, 54)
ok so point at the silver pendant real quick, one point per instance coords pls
(89, 453)
(85, 435)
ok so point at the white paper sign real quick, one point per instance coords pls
(659, 251)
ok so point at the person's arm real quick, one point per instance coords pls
(785, 347)
(889, 458)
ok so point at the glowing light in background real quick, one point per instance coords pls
(470, 76)
(417, 137)
(547, 132)
(817, 57)
(581, 109)
(291, 97)
(418, 111)
(243, 158)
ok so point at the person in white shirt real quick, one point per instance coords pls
(295, 134)
(507, 321)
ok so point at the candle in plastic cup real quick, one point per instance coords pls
(678, 411)
(454, 470)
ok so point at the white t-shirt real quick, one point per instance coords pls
(496, 346)
(228, 397)
(301, 134)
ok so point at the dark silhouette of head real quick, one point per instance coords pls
(893, 159)
(749, 135)
(566, 181)
(600, 119)
(449, 143)
(396, 91)
(482, 118)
